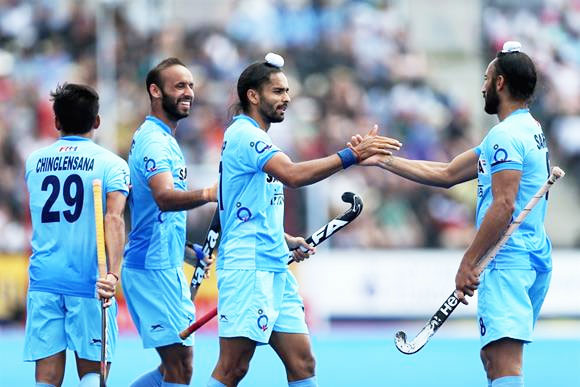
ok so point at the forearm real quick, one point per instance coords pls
(494, 224)
(421, 171)
(312, 171)
(114, 241)
(172, 200)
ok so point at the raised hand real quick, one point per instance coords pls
(372, 149)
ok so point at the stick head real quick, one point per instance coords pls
(409, 348)
(356, 204)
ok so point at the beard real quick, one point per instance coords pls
(491, 101)
(171, 107)
(270, 114)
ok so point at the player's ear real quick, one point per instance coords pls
(253, 96)
(97, 122)
(499, 82)
(155, 91)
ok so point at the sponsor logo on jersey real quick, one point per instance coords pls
(260, 146)
(150, 165)
(262, 320)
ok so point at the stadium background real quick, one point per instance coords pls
(414, 67)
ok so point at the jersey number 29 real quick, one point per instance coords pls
(53, 183)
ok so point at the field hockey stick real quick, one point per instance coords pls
(211, 239)
(452, 301)
(102, 265)
(319, 236)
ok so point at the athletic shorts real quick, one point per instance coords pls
(253, 303)
(160, 304)
(56, 322)
(509, 302)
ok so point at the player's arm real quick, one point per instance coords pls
(170, 199)
(504, 186)
(296, 175)
(114, 224)
(462, 168)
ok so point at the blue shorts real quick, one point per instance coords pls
(509, 302)
(253, 303)
(56, 322)
(160, 304)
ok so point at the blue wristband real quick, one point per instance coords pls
(347, 157)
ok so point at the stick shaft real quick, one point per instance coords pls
(102, 268)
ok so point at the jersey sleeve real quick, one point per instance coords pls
(118, 176)
(154, 155)
(256, 149)
(503, 151)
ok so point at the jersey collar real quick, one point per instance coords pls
(519, 111)
(245, 117)
(75, 138)
(159, 123)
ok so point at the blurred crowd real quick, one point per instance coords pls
(350, 64)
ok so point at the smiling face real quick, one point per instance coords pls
(274, 98)
(176, 92)
(489, 90)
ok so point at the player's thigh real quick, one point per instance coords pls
(291, 317)
(160, 305)
(45, 331)
(83, 325)
(538, 291)
(248, 303)
(504, 306)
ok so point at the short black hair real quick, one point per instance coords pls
(76, 107)
(154, 75)
(253, 77)
(519, 72)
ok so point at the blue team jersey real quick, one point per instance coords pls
(60, 185)
(157, 238)
(517, 143)
(251, 202)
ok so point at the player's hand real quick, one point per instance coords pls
(301, 250)
(209, 260)
(106, 289)
(466, 281)
(373, 146)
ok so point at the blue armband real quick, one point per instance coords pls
(347, 157)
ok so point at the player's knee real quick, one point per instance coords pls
(239, 372)
(50, 376)
(484, 361)
(301, 367)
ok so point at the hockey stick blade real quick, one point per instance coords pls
(452, 301)
(428, 330)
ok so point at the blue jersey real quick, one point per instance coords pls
(251, 202)
(60, 185)
(517, 143)
(157, 238)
